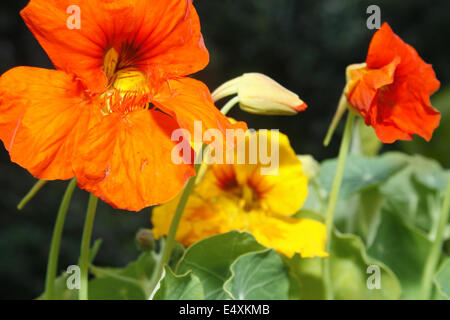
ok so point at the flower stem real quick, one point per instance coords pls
(435, 252)
(340, 110)
(37, 186)
(52, 264)
(170, 240)
(86, 245)
(229, 105)
(342, 158)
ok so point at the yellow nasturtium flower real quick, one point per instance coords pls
(243, 197)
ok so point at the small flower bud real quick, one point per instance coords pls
(260, 94)
(145, 240)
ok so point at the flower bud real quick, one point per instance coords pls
(145, 240)
(260, 94)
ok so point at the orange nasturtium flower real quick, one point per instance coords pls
(392, 89)
(107, 113)
(238, 197)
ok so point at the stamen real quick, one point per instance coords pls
(128, 89)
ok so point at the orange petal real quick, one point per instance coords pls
(44, 117)
(386, 45)
(403, 110)
(148, 34)
(170, 36)
(126, 161)
(190, 100)
(367, 84)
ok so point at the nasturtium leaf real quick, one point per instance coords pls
(361, 172)
(442, 279)
(352, 270)
(419, 205)
(305, 275)
(210, 260)
(366, 218)
(428, 172)
(258, 276)
(179, 287)
(352, 273)
(403, 249)
(130, 282)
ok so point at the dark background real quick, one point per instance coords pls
(305, 45)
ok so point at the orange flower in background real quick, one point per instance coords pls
(392, 89)
(107, 113)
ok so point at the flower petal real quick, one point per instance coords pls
(386, 45)
(126, 161)
(204, 218)
(200, 219)
(44, 117)
(290, 236)
(289, 188)
(367, 84)
(149, 34)
(405, 112)
(190, 100)
(282, 189)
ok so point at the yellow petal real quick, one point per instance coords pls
(290, 235)
(201, 219)
(283, 193)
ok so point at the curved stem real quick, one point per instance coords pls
(341, 108)
(229, 105)
(342, 158)
(170, 240)
(86, 245)
(435, 252)
(35, 189)
(52, 265)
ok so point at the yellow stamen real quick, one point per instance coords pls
(128, 88)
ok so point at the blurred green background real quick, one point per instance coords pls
(305, 45)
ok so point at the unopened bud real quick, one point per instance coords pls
(260, 94)
(145, 240)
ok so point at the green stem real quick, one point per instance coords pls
(170, 240)
(340, 110)
(342, 158)
(86, 245)
(52, 265)
(435, 252)
(37, 186)
(229, 105)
